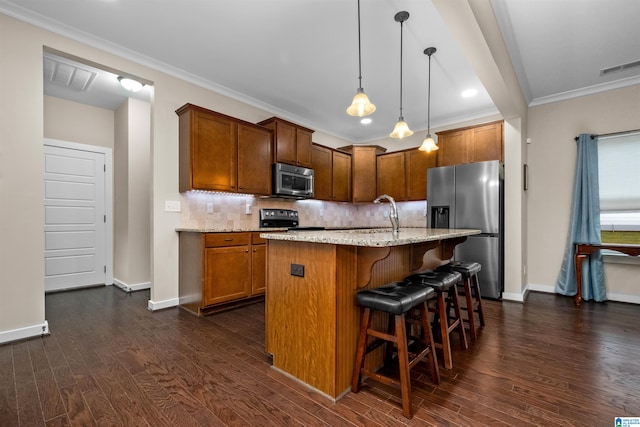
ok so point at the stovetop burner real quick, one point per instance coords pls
(278, 218)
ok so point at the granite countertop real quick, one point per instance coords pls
(373, 237)
(228, 230)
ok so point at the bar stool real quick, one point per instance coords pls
(444, 283)
(471, 286)
(396, 299)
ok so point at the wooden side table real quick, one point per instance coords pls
(583, 250)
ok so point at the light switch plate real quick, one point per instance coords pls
(172, 205)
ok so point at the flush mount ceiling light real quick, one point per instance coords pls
(429, 144)
(130, 84)
(360, 106)
(401, 129)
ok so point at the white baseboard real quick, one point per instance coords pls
(159, 305)
(22, 333)
(131, 288)
(511, 296)
(611, 296)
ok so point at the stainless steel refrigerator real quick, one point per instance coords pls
(472, 196)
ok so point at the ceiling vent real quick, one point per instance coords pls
(617, 68)
(68, 75)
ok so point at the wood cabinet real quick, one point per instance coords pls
(470, 145)
(341, 176)
(390, 175)
(363, 171)
(292, 142)
(332, 174)
(221, 153)
(403, 174)
(258, 264)
(218, 269)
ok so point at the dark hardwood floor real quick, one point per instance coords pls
(109, 361)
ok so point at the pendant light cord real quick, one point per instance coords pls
(359, 51)
(429, 100)
(401, 26)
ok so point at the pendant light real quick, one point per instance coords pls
(429, 144)
(401, 129)
(360, 106)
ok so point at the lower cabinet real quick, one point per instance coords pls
(219, 269)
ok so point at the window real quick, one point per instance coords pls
(619, 177)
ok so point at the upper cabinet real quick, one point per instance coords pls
(363, 171)
(254, 159)
(292, 142)
(321, 163)
(332, 174)
(403, 174)
(470, 145)
(341, 173)
(221, 153)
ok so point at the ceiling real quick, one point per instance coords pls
(298, 59)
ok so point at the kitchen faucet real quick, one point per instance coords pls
(393, 211)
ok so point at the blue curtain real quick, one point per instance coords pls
(584, 226)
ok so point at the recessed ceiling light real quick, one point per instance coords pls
(469, 93)
(366, 120)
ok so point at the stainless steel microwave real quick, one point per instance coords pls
(292, 181)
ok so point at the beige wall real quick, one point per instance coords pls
(132, 194)
(21, 178)
(551, 157)
(74, 122)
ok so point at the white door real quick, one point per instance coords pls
(75, 218)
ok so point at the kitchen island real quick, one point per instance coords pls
(312, 319)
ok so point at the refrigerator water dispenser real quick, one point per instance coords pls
(440, 217)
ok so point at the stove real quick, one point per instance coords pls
(282, 218)
(278, 218)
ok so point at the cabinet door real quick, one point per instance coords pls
(285, 136)
(213, 152)
(417, 162)
(322, 167)
(227, 274)
(258, 269)
(341, 176)
(363, 163)
(452, 148)
(391, 175)
(487, 143)
(254, 160)
(303, 147)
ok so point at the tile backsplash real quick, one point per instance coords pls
(225, 211)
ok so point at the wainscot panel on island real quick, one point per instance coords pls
(312, 318)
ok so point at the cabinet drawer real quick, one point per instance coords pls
(226, 239)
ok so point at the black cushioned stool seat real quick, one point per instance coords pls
(396, 299)
(471, 286)
(444, 283)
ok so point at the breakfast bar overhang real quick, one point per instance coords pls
(312, 319)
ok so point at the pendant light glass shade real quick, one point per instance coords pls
(429, 144)
(401, 129)
(360, 106)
